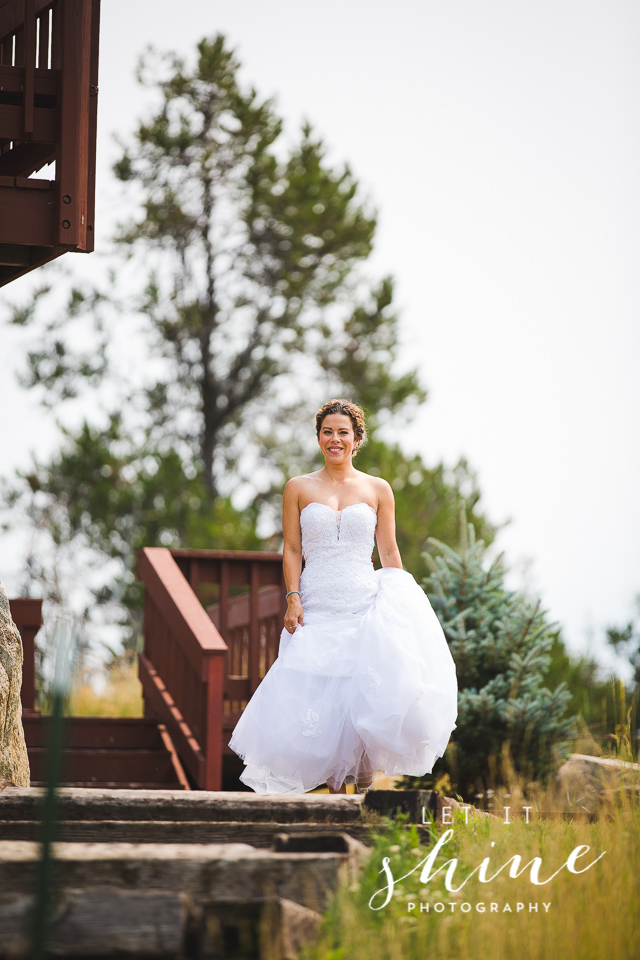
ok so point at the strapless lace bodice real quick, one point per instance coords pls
(338, 579)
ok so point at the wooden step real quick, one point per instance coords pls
(107, 766)
(129, 752)
(84, 733)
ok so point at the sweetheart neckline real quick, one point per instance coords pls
(361, 503)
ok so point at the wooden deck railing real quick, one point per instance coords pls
(182, 666)
(244, 594)
(26, 613)
(48, 112)
(213, 620)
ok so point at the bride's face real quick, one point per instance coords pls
(337, 438)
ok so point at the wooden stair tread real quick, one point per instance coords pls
(108, 752)
(89, 732)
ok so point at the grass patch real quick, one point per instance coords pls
(591, 915)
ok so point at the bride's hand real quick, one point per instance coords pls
(294, 615)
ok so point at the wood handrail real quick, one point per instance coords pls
(183, 680)
(180, 608)
(236, 555)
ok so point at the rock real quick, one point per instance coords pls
(14, 763)
(587, 782)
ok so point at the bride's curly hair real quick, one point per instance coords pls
(349, 409)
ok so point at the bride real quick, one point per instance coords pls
(364, 680)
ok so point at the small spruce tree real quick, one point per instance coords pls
(499, 640)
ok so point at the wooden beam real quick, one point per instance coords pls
(27, 216)
(235, 555)
(254, 629)
(26, 158)
(93, 124)
(72, 147)
(14, 255)
(237, 688)
(29, 66)
(7, 274)
(214, 732)
(12, 124)
(26, 613)
(12, 79)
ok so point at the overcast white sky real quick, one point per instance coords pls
(500, 142)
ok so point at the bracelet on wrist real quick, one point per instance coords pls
(290, 592)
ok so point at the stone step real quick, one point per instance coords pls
(77, 803)
(185, 831)
(123, 923)
(217, 873)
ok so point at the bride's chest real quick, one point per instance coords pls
(323, 527)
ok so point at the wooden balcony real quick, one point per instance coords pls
(48, 114)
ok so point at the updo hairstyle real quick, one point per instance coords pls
(347, 408)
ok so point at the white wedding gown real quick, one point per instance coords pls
(366, 684)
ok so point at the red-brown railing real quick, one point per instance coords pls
(200, 667)
(26, 613)
(181, 667)
(244, 594)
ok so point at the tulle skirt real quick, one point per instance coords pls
(350, 696)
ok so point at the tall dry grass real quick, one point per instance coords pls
(121, 696)
(592, 915)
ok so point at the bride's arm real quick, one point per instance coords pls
(292, 555)
(386, 528)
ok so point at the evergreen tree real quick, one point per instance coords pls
(500, 643)
(427, 500)
(594, 694)
(626, 641)
(250, 311)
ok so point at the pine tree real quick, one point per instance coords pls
(500, 642)
(199, 376)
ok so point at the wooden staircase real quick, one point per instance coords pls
(108, 752)
(172, 874)
(212, 625)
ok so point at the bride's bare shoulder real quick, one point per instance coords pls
(377, 488)
(295, 487)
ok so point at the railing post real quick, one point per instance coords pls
(26, 613)
(72, 153)
(214, 714)
(224, 597)
(254, 629)
(29, 65)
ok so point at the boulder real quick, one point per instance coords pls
(589, 782)
(14, 763)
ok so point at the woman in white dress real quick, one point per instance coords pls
(364, 680)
